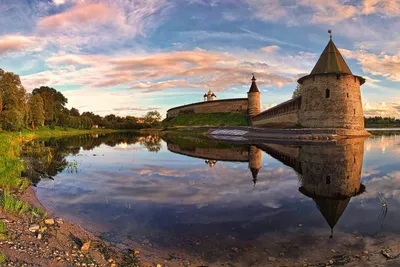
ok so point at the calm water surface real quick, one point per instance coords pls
(184, 192)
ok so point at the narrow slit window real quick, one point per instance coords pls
(327, 93)
(328, 179)
(347, 95)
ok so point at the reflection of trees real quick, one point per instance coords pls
(47, 158)
(151, 143)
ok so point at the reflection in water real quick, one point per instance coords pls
(197, 191)
(329, 173)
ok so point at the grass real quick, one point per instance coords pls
(3, 230)
(3, 258)
(10, 164)
(13, 205)
(208, 119)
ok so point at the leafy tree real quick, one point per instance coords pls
(74, 112)
(152, 117)
(36, 110)
(297, 91)
(54, 103)
(13, 101)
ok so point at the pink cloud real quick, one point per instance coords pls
(12, 43)
(80, 15)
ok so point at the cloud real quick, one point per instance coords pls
(270, 49)
(12, 43)
(80, 15)
(329, 12)
(295, 12)
(390, 109)
(383, 64)
(387, 7)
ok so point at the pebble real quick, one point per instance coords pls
(271, 258)
(49, 221)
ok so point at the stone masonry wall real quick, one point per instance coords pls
(286, 120)
(236, 105)
(343, 108)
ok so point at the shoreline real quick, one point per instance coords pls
(34, 239)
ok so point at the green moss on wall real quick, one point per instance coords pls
(208, 119)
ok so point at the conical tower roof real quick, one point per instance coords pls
(253, 87)
(331, 209)
(254, 172)
(331, 61)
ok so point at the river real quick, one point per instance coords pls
(190, 200)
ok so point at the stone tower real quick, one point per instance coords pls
(331, 96)
(255, 162)
(254, 98)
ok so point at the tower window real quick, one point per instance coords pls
(327, 93)
(328, 179)
(347, 95)
(354, 111)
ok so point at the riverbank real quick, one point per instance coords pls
(29, 234)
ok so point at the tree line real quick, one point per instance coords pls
(378, 120)
(46, 106)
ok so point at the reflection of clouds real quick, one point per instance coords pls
(388, 184)
(383, 143)
(199, 186)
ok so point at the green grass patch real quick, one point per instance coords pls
(3, 258)
(3, 230)
(10, 164)
(13, 205)
(208, 119)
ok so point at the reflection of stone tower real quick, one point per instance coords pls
(330, 95)
(254, 98)
(255, 162)
(330, 175)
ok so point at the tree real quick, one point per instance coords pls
(74, 112)
(13, 101)
(152, 117)
(36, 110)
(54, 103)
(297, 91)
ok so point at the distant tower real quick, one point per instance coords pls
(255, 162)
(254, 98)
(331, 96)
(205, 97)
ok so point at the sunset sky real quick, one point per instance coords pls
(130, 56)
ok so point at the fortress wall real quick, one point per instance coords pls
(225, 154)
(236, 105)
(282, 115)
(289, 119)
(343, 109)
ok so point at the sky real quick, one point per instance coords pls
(127, 57)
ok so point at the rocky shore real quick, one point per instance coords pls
(50, 241)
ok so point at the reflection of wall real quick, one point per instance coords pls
(224, 154)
